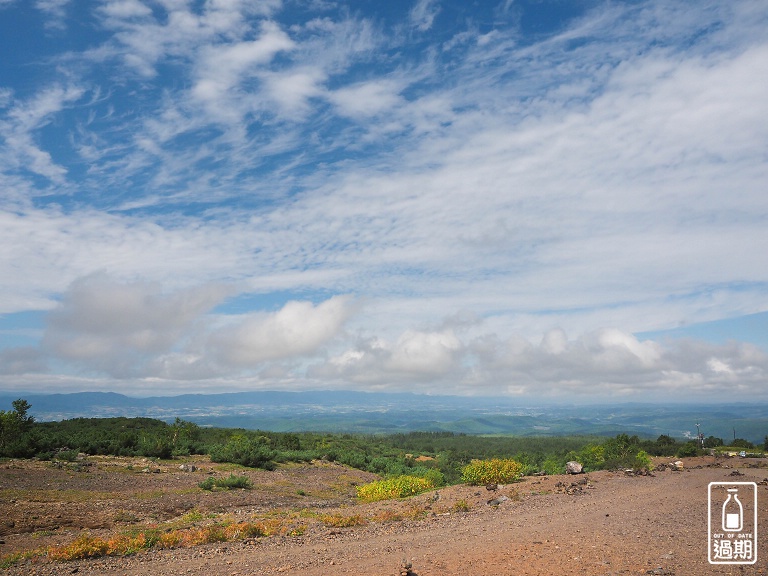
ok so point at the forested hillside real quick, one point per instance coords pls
(414, 453)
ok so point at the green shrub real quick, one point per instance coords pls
(226, 483)
(251, 452)
(67, 455)
(208, 484)
(397, 487)
(688, 449)
(434, 476)
(643, 460)
(295, 456)
(552, 465)
(592, 457)
(494, 471)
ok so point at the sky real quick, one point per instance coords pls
(560, 200)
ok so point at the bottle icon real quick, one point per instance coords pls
(733, 512)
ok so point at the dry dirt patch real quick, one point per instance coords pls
(605, 523)
(43, 504)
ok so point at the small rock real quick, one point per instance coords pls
(497, 501)
(573, 467)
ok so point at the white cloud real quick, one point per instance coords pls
(5, 97)
(367, 99)
(291, 90)
(423, 14)
(606, 363)
(222, 68)
(55, 10)
(21, 124)
(415, 355)
(120, 328)
(142, 40)
(298, 329)
(125, 9)
(54, 249)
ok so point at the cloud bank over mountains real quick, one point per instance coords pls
(422, 196)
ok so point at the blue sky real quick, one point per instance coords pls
(542, 199)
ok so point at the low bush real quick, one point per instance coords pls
(226, 483)
(88, 546)
(246, 451)
(396, 487)
(85, 546)
(433, 475)
(493, 471)
(66, 455)
(341, 521)
(461, 506)
(643, 460)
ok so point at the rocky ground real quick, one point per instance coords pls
(605, 523)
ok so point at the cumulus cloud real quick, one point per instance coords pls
(298, 329)
(119, 328)
(608, 364)
(415, 355)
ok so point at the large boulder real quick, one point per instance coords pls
(573, 467)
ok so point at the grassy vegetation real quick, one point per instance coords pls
(186, 532)
(135, 540)
(230, 483)
(443, 455)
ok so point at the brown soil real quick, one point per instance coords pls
(604, 523)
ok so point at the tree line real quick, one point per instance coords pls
(440, 455)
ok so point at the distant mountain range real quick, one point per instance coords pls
(370, 413)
